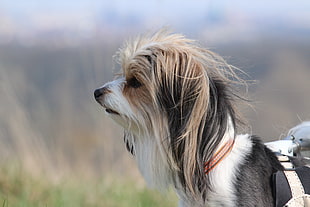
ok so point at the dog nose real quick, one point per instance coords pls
(98, 93)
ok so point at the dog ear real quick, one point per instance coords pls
(198, 108)
(183, 96)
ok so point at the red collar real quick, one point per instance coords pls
(219, 155)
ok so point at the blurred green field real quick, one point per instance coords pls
(19, 189)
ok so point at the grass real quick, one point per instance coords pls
(19, 189)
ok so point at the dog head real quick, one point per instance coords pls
(175, 103)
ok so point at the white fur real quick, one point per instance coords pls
(224, 175)
(152, 163)
(116, 101)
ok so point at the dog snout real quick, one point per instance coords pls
(100, 92)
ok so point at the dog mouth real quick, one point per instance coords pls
(111, 111)
(108, 110)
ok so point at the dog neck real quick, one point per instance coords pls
(222, 177)
(219, 170)
(219, 155)
(223, 149)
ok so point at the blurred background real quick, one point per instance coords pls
(53, 54)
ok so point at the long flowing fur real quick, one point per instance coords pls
(175, 102)
(190, 86)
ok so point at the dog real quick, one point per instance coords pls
(177, 104)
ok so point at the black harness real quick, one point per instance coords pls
(291, 185)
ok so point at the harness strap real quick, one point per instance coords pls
(292, 186)
(297, 188)
(285, 162)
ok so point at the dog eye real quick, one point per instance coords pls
(149, 58)
(134, 83)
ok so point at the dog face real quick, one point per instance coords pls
(174, 102)
(161, 76)
(129, 99)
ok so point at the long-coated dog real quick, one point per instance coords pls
(176, 102)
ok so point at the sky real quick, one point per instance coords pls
(277, 7)
(171, 10)
(23, 18)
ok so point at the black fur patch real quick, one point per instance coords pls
(254, 184)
